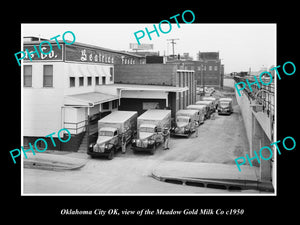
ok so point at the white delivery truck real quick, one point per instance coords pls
(225, 106)
(201, 112)
(215, 100)
(113, 130)
(149, 128)
(210, 106)
(185, 122)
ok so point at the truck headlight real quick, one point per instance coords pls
(151, 142)
(133, 140)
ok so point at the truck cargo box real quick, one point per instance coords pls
(158, 117)
(198, 107)
(118, 119)
(187, 112)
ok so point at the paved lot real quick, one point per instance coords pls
(219, 141)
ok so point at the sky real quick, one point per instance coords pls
(240, 46)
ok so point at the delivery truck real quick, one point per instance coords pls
(185, 122)
(213, 99)
(225, 106)
(114, 130)
(210, 106)
(202, 109)
(149, 130)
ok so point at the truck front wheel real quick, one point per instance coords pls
(111, 154)
(152, 151)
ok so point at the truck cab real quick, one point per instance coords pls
(185, 123)
(213, 99)
(225, 106)
(108, 141)
(114, 130)
(202, 110)
(210, 107)
(148, 138)
(149, 133)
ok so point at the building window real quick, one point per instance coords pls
(111, 71)
(216, 68)
(210, 68)
(89, 81)
(81, 83)
(27, 75)
(48, 75)
(72, 81)
(105, 105)
(96, 80)
(103, 80)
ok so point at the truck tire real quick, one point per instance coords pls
(152, 151)
(111, 154)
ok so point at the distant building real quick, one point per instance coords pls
(213, 71)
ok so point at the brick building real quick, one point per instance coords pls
(213, 72)
(177, 87)
(207, 68)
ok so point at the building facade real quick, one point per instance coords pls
(213, 71)
(207, 68)
(175, 88)
(63, 90)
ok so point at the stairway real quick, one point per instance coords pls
(83, 146)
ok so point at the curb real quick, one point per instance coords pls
(54, 162)
(210, 175)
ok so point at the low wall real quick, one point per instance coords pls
(246, 111)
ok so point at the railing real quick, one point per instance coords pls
(76, 128)
(264, 95)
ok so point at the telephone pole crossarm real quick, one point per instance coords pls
(173, 43)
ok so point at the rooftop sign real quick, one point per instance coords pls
(136, 46)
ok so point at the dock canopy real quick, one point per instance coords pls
(139, 87)
(88, 99)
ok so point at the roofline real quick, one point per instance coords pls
(84, 45)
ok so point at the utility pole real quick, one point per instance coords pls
(173, 43)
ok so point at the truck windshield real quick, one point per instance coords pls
(224, 104)
(146, 129)
(182, 120)
(106, 133)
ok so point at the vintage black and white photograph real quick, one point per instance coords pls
(149, 108)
